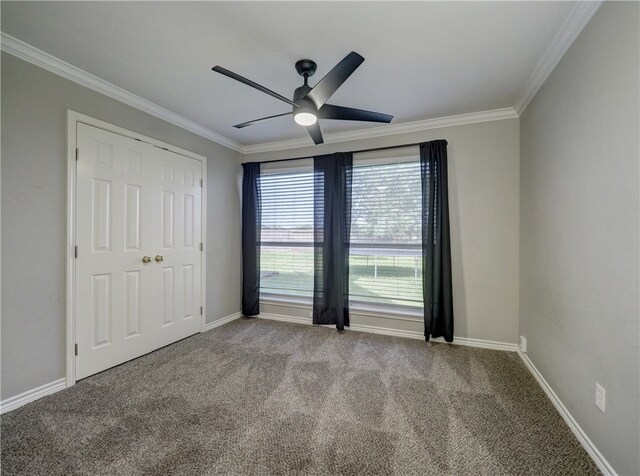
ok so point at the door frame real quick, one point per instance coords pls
(73, 119)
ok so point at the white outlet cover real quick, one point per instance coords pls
(601, 395)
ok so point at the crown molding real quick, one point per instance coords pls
(571, 28)
(33, 55)
(388, 130)
(44, 60)
(569, 31)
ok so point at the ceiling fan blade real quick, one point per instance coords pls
(328, 85)
(248, 82)
(315, 133)
(248, 123)
(329, 111)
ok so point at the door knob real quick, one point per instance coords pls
(159, 258)
(146, 259)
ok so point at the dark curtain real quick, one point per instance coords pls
(251, 219)
(332, 228)
(436, 242)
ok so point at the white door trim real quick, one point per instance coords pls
(73, 118)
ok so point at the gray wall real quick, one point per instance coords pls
(579, 231)
(34, 155)
(484, 197)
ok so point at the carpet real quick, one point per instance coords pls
(260, 397)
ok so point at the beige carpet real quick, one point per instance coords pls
(264, 397)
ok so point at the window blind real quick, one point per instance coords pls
(385, 265)
(287, 233)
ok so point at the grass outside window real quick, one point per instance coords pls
(392, 280)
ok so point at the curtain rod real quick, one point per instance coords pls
(354, 152)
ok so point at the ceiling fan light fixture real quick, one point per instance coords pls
(305, 118)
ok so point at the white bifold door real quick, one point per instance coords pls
(139, 233)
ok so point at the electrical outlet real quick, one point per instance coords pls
(523, 344)
(601, 394)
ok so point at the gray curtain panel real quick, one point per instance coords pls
(436, 242)
(332, 229)
(251, 222)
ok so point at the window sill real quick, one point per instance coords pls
(277, 300)
(391, 313)
(356, 309)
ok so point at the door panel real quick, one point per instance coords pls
(180, 207)
(187, 291)
(187, 229)
(101, 215)
(134, 200)
(168, 214)
(132, 217)
(101, 310)
(132, 303)
(168, 293)
(132, 164)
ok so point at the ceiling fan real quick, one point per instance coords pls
(310, 103)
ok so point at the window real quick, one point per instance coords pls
(286, 250)
(385, 262)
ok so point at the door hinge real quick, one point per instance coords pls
(201, 183)
(75, 251)
(201, 310)
(77, 153)
(201, 246)
(76, 348)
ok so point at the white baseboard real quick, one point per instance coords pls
(484, 344)
(219, 322)
(480, 343)
(582, 437)
(31, 395)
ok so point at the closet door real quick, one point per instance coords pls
(138, 229)
(177, 238)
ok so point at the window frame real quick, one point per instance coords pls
(386, 157)
(381, 310)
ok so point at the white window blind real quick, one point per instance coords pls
(286, 258)
(385, 265)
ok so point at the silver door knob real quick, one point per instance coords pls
(146, 259)
(159, 258)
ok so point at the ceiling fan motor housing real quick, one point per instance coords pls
(299, 96)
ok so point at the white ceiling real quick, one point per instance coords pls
(423, 59)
